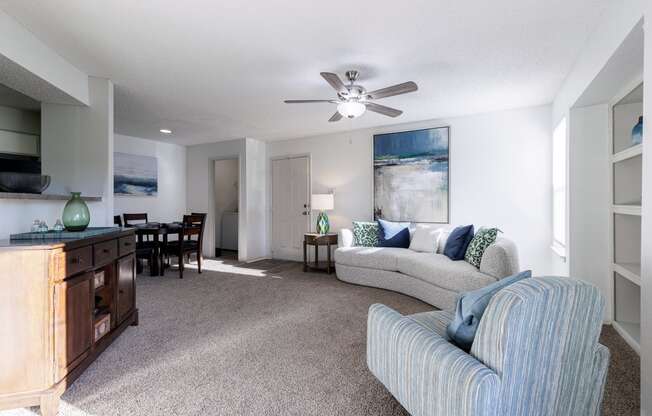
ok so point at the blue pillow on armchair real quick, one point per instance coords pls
(470, 308)
(458, 241)
(393, 234)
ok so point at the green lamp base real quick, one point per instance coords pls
(323, 225)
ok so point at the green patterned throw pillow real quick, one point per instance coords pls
(482, 239)
(365, 234)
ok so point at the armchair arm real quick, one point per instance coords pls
(425, 373)
(345, 237)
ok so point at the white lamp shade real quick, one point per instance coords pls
(322, 202)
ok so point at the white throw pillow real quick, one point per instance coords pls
(426, 238)
(443, 238)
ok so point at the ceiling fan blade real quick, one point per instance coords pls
(308, 101)
(397, 89)
(334, 80)
(336, 117)
(384, 110)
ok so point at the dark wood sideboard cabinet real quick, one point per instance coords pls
(62, 302)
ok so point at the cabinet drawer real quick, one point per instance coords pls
(126, 245)
(78, 260)
(105, 252)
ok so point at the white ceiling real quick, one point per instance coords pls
(216, 70)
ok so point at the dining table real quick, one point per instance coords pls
(159, 232)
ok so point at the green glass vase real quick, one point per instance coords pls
(76, 215)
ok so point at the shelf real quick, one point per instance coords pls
(631, 333)
(628, 153)
(630, 271)
(626, 209)
(45, 197)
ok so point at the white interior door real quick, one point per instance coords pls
(290, 206)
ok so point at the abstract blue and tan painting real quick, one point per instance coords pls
(134, 175)
(411, 175)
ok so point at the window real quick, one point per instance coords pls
(559, 189)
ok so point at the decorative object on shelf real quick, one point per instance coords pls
(135, 175)
(29, 183)
(42, 227)
(58, 226)
(322, 203)
(637, 132)
(76, 215)
(35, 226)
(411, 175)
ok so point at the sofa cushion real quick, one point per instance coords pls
(458, 241)
(393, 234)
(437, 269)
(380, 258)
(470, 308)
(365, 234)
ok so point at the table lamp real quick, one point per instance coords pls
(321, 203)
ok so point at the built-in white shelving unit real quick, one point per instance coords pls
(625, 217)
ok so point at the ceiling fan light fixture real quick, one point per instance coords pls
(351, 109)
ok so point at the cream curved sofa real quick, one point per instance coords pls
(430, 277)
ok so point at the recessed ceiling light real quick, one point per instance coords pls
(166, 131)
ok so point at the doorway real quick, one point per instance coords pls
(290, 206)
(226, 193)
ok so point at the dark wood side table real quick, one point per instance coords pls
(314, 239)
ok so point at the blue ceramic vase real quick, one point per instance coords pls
(637, 132)
(76, 215)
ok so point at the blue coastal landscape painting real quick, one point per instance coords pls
(134, 175)
(411, 175)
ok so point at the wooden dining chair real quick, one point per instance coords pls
(145, 249)
(189, 242)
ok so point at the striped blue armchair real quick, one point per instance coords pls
(536, 352)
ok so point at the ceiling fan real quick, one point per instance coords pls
(353, 100)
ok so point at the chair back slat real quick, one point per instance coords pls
(193, 224)
(131, 219)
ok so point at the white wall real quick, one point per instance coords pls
(77, 148)
(200, 182)
(256, 199)
(589, 202)
(170, 202)
(500, 174)
(227, 187)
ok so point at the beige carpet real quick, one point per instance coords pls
(261, 339)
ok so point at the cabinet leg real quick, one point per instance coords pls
(49, 405)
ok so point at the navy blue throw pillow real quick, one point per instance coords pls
(458, 241)
(393, 234)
